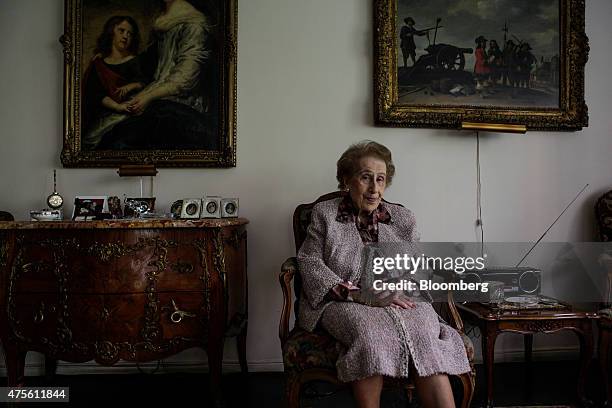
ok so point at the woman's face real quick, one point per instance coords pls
(122, 36)
(368, 184)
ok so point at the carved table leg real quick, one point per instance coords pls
(489, 335)
(528, 340)
(604, 362)
(50, 367)
(15, 364)
(215, 362)
(585, 334)
(241, 342)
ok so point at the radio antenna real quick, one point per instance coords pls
(551, 225)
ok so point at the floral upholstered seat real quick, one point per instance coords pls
(304, 350)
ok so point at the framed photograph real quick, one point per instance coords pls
(439, 63)
(134, 207)
(149, 82)
(114, 207)
(89, 207)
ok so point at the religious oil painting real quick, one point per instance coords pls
(442, 62)
(149, 82)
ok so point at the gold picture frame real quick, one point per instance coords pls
(151, 117)
(442, 89)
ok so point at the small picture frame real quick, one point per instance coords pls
(211, 207)
(89, 207)
(229, 208)
(136, 206)
(114, 207)
(191, 208)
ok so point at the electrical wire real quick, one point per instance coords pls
(479, 196)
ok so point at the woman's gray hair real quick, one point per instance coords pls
(348, 163)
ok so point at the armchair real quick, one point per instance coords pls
(312, 356)
(6, 216)
(603, 216)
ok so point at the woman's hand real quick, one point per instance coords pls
(383, 299)
(123, 91)
(109, 103)
(401, 301)
(122, 108)
(342, 291)
(394, 299)
(138, 104)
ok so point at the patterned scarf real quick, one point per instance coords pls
(366, 226)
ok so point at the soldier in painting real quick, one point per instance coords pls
(407, 40)
(525, 62)
(494, 61)
(508, 64)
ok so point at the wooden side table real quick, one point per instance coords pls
(493, 321)
(605, 344)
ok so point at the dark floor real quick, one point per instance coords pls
(553, 383)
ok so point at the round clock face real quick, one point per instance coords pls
(230, 208)
(191, 209)
(55, 201)
(211, 207)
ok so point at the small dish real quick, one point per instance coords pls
(523, 300)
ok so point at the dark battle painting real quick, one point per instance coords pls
(155, 82)
(475, 52)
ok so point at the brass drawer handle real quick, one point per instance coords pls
(39, 316)
(177, 315)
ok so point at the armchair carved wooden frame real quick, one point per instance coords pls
(312, 356)
(603, 216)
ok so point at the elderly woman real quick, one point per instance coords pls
(393, 337)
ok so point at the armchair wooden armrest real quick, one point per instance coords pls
(455, 318)
(288, 271)
(451, 314)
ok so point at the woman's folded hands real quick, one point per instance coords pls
(347, 291)
(383, 298)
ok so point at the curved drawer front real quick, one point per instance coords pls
(146, 327)
(109, 327)
(117, 261)
(40, 262)
(34, 316)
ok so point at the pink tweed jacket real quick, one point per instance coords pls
(332, 251)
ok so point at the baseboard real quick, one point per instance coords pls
(165, 367)
(542, 354)
(232, 366)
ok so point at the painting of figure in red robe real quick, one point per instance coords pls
(152, 82)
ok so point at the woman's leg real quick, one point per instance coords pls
(435, 391)
(367, 391)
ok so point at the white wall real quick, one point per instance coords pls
(304, 94)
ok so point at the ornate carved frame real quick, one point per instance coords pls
(572, 113)
(72, 154)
